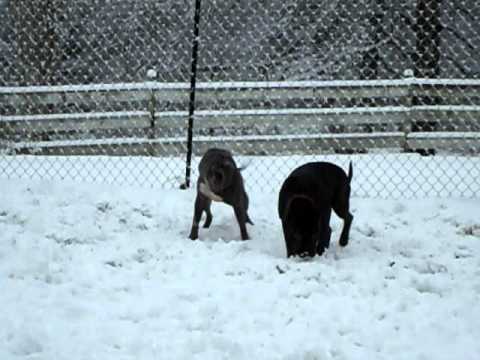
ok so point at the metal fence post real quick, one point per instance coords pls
(407, 101)
(193, 78)
(152, 108)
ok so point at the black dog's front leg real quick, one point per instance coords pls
(241, 215)
(324, 241)
(289, 242)
(200, 205)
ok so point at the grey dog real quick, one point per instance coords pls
(305, 204)
(220, 180)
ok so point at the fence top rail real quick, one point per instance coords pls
(76, 116)
(221, 138)
(236, 85)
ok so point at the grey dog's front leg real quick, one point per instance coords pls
(241, 216)
(199, 207)
(208, 211)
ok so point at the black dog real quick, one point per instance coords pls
(220, 180)
(305, 204)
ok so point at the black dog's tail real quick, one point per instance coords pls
(350, 172)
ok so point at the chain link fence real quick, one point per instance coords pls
(100, 91)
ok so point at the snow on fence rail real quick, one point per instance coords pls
(253, 117)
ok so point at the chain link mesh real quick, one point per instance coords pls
(98, 91)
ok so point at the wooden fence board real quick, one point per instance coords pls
(233, 107)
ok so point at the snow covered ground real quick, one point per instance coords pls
(90, 271)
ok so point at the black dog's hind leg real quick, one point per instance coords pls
(347, 222)
(247, 201)
(342, 208)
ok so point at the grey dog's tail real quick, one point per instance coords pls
(350, 172)
(244, 166)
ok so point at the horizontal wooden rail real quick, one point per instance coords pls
(171, 92)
